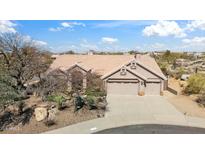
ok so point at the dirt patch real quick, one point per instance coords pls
(177, 85)
(186, 104)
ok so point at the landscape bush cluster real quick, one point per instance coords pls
(195, 84)
(58, 99)
(167, 61)
(20, 62)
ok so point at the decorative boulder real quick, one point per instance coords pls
(42, 105)
(74, 95)
(52, 114)
(40, 113)
(51, 119)
(102, 105)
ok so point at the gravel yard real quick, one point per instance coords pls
(63, 118)
(186, 105)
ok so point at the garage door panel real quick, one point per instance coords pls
(152, 89)
(115, 88)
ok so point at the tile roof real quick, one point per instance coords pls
(103, 64)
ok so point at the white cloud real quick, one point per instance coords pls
(55, 29)
(196, 24)
(158, 46)
(122, 23)
(138, 47)
(154, 46)
(73, 47)
(109, 40)
(66, 25)
(78, 24)
(196, 41)
(194, 44)
(164, 28)
(40, 43)
(7, 26)
(28, 39)
(85, 45)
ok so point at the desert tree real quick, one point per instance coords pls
(21, 59)
(54, 82)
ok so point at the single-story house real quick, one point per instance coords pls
(121, 74)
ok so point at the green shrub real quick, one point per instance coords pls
(79, 103)
(196, 83)
(57, 99)
(95, 92)
(94, 85)
(8, 94)
(92, 101)
(164, 67)
(180, 72)
(201, 98)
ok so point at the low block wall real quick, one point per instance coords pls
(172, 90)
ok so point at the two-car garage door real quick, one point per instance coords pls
(122, 88)
(132, 88)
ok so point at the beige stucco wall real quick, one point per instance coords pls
(143, 72)
(128, 75)
(154, 84)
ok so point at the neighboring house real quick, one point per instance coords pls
(91, 52)
(121, 74)
(182, 62)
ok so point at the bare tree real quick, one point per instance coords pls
(22, 59)
(77, 80)
(55, 81)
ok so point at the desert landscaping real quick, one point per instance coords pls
(41, 91)
(35, 101)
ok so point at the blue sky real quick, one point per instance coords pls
(111, 35)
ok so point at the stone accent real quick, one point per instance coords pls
(40, 113)
(84, 82)
(69, 82)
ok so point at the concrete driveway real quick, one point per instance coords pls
(133, 110)
(142, 108)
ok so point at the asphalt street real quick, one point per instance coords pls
(153, 129)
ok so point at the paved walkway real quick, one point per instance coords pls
(132, 110)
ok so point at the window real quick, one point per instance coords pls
(133, 65)
(123, 71)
